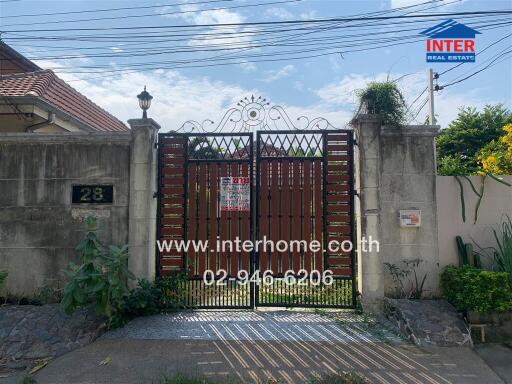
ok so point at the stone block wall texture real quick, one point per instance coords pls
(39, 227)
(496, 204)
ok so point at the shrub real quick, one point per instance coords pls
(468, 288)
(408, 285)
(383, 98)
(100, 281)
(166, 294)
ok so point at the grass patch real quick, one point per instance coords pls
(340, 378)
(181, 379)
(337, 378)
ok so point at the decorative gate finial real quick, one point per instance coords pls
(255, 113)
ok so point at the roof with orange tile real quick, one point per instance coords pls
(45, 84)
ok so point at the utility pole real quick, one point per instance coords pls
(431, 116)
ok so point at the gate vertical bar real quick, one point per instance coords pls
(256, 252)
(350, 152)
(159, 205)
(251, 215)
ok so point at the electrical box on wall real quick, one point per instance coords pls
(410, 218)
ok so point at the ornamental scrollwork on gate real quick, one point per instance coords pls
(255, 113)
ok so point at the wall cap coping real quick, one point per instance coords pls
(411, 130)
(66, 137)
(140, 123)
(366, 118)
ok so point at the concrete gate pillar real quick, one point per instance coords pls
(368, 170)
(395, 170)
(143, 204)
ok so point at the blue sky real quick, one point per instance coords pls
(321, 86)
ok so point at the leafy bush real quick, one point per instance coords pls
(408, 285)
(141, 301)
(173, 291)
(468, 288)
(383, 98)
(166, 294)
(100, 281)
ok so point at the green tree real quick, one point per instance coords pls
(496, 157)
(459, 145)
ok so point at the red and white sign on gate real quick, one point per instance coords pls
(235, 194)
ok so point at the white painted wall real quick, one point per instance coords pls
(496, 203)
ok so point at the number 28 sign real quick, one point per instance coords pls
(92, 194)
(235, 194)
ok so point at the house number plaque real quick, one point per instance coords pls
(92, 194)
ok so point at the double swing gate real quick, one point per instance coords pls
(258, 221)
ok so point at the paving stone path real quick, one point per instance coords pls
(30, 333)
(254, 347)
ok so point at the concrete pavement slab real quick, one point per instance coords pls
(253, 347)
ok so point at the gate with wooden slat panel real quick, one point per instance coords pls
(298, 191)
(192, 167)
(304, 193)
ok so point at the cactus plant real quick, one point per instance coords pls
(467, 255)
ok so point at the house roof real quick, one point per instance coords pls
(450, 29)
(46, 85)
(14, 62)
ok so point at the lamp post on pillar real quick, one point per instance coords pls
(144, 102)
(143, 185)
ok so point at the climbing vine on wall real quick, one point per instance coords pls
(479, 193)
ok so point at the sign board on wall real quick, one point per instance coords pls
(235, 194)
(410, 218)
(92, 194)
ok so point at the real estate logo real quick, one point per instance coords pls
(450, 42)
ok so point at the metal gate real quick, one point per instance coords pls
(294, 203)
(191, 167)
(304, 194)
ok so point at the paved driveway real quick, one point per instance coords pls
(288, 346)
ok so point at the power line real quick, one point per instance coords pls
(415, 100)
(483, 50)
(231, 31)
(420, 109)
(113, 9)
(155, 14)
(186, 63)
(489, 65)
(284, 22)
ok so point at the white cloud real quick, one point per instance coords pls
(306, 15)
(233, 34)
(279, 13)
(178, 98)
(278, 73)
(247, 66)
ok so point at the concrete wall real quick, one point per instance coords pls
(408, 181)
(39, 227)
(395, 170)
(496, 203)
